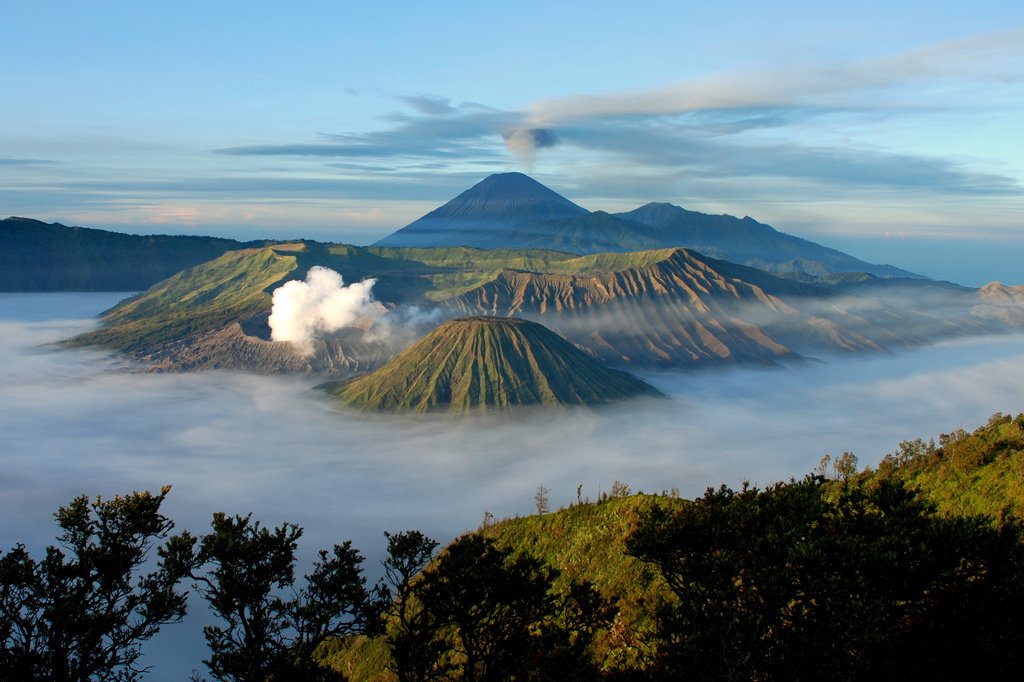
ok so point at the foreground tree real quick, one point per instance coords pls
(480, 612)
(83, 611)
(414, 648)
(270, 630)
(833, 580)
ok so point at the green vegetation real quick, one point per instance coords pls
(966, 473)
(261, 634)
(199, 299)
(587, 542)
(867, 575)
(832, 580)
(83, 611)
(488, 363)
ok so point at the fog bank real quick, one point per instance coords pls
(75, 422)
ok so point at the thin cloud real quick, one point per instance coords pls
(430, 105)
(704, 128)
(694, 156)
(8, 161)
(790, 86)
(473, 132)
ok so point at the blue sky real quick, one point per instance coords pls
(885, 128)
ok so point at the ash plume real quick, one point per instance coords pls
(524, 142)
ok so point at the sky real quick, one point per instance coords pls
(74, 423)
(892, 128)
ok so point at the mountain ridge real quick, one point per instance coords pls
(501, 211)
(38, 256)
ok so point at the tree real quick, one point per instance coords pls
(411, 629)
(265, 635)
(541, 499)
(487, 603)
(482, 612)
(819, 579)
(83, 611)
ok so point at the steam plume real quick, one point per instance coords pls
(304, 310)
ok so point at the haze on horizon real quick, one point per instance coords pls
(889, 132)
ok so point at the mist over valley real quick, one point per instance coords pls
(77, 421)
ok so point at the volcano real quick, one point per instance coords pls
(486, 212)
(514, 211)
(488, 363)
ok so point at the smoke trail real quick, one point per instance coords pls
(304, 310)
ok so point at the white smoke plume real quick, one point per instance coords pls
(403, 325)
(322, 304)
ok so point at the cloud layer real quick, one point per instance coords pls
(74, 423)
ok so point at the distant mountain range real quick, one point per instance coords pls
(38, 256)
(503, 211)
(512, 210)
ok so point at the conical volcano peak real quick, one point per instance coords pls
(505, 196)
(489, 363)
(496, 204)
(514, 185)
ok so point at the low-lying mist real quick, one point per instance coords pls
(76, 422)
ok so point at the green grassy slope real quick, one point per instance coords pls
(231, 287)
(586, 542)
(488, 363)
(981, 472)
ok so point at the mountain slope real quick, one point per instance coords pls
(997, 301)
(511, 210)
(36, 256)
(200, 299)
(482, 363)
(667, 308)
(496, 205)
(749, 242)
(670, 308)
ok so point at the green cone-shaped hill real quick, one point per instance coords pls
(487, 363)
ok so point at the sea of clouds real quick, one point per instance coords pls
(79, 421)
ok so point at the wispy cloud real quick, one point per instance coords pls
(430, 105)
(8, 161)
(469, 132)
(750, 124)
(797, 85)
(792, 134)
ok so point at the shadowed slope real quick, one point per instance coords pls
(749, 242)
(37, 256)
(488, 363)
